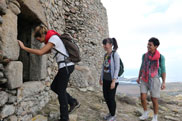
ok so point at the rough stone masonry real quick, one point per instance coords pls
(25, 78)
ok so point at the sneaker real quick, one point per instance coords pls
(74, 107)
(107, 116)
(112, 118)
(144, 116)
(154, 119)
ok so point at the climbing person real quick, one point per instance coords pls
(152, 68)
(109, 76)
(54, 43)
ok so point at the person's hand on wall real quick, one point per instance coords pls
(21, 44)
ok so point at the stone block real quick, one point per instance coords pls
(3, 80)
(35, 7)
(12, 99)
(12, 118)
(1, 75)
(1, 20)
(14, 72)
(3, 98)
(14, 7)
(9, 43)
(29, 89)
(6, 111)
(3, 7)
(1, 67)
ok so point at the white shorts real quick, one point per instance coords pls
(153, 85)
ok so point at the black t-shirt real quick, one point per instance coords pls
(107, 67)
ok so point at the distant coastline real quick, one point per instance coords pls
(133, 89)
(132, 80)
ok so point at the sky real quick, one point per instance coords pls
(134, 22)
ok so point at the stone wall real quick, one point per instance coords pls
(25, 78)
(86, 21)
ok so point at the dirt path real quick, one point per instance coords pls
(93, 108)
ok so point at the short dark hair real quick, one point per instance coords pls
(155, 41)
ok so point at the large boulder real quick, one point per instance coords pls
(13, 72)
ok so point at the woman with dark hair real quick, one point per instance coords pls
(109, 76)
(152, 68)
(60, 82)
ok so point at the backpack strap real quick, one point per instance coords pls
(66, 59)
(113, 52)
(59, 52)
(121, 63)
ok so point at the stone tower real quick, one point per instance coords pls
(25, 78)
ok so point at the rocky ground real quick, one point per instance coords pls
(93, 107)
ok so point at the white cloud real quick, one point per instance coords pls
(133, 22)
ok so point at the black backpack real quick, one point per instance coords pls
(71, 47)
(121, 69)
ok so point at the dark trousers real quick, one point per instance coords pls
(59, 86)
(109, 96)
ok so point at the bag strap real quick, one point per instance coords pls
(113, 52)
(66, 60)
(120, 58)
(59, 52)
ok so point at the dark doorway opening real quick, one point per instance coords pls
(34, 67)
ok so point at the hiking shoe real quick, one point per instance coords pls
(107, 116)
(74, 107)
(144, 116)
(112, 118)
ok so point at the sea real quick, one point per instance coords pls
(130, 77)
